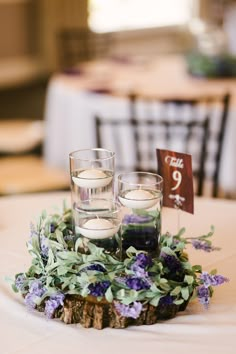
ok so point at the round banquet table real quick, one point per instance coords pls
(195, 330)
(101, 88)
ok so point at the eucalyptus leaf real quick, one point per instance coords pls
(84, 291)
(181, 232)
(165, 286)
(62, 270)
(128, 300)
(109, 295)
(131, 251)
(178, 301)
(78, 244)
(197, 268)
(168, 251)
(155, 300)
(176, 291)
(188, 279)
(213, 272)
(120, 294)
(62, 226)
(185, 293)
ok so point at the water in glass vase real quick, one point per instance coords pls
(98, 221)
(141, 225)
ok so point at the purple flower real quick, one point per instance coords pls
(136, 219)
(96, 267)
(121, 280)
(203, 245)
(44, 246)
(203, 295)
(143, 260)
(137, 283)
(36, 288)
(53, 303)
(132, 310)
(36, 291)
(93, 267)
(174, 266)
(212, 280)
(166, 300)
(138, 271)
(30, 300)
(52, 228)
(19, 281)
(99, 288)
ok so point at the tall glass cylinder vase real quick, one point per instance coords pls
(92, 172)
(140, 194)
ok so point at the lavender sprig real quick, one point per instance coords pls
(199, 243)
(44, 246)
(143, 260)
(132, 310)
(99, 288)
(53, 303)
(203, 295)
(204, 245)
(20, 281)
(137, 283)
(141, 263)
(204, 291)
(33, 231)
(212, 280)
(36, 291)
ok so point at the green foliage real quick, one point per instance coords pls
(60, 266)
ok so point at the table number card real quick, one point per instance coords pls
(176, 170)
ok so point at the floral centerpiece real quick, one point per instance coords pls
(99, 290)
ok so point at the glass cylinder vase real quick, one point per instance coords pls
(92, 172)
(140, 193)
(98, 221)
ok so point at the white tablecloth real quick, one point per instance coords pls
(194, 331)
(70, 125)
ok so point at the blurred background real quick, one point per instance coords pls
(36, 43)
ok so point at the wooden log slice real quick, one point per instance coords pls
(90, 312)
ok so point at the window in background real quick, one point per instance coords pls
(119, 15)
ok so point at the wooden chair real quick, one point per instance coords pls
(200, 133)
(78, 45)
(21, 136)
(22, 166)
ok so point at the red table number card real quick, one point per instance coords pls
(176, 171)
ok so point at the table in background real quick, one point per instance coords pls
(73, 100)
(195, 330)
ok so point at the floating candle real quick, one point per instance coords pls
(92, 178)
(139, 199)
(98, 229)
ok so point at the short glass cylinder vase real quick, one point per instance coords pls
(140, 193)
(92, 172)
(98, 221)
